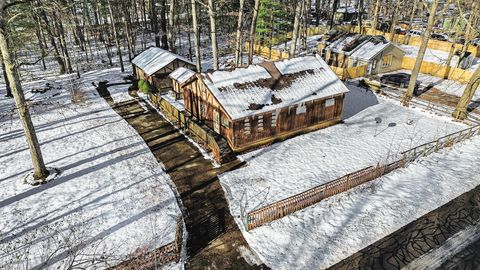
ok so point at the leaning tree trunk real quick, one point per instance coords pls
(198, 58)
(115, 34)
(421, 52)
(40, 172)
(296, 27)
(472, 86)
(213, 31)
(468, 32)
(252, 32)
(238, 40)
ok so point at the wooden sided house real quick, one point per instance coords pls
(258, 104)
(155, 64)
(347, 50)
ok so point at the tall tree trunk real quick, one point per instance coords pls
(7, 83)
(115, 34)
(472, 86)
(394, 20)
(318, 6)
(360, 15)
(171, 25)
(163, 24)
(253, 26)
(40, 172)
(213, 31)
(334, 10)
(238, 40)
(412, 15)
(421, 53)
(128, 30)
(153, 22)
(63, 43)
(198, 57)
(296, 27)
(468, 32)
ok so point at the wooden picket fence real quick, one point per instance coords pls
(312, 196)
(412, 41)
(443, 142)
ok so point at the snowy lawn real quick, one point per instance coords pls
(435, 56)
(303, 162)
(447, 86)
(112, 197)
(322, 235)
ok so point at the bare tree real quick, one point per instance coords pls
(296, 27)
(376, 14)
(196, 36)
(421, 53)
(238, 41)
(40, 172)
(472, 86)
(213, 32)
(252, 31)
(117, 41)
(171, 25)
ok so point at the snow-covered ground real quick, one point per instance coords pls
(303, 162)
(322, 235)
(112, 198)
(312, 44)
(447, 86)
(435, 56)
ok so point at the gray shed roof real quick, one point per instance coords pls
(153, 59)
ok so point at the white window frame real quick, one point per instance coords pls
(329, 102)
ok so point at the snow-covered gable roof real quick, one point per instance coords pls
(339, 44)
(370, 49)
(182, 74)
(153, 59)
(265, 87)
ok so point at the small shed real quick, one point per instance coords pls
(258, 104)
(154, 65)
(179, 78)
(347, 50)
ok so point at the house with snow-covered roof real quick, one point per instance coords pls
(347, 50)
(154, 65)
(180, 77)
(254, 105)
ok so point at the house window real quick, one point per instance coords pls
(260, 123)
(387, 60)
(292, 109)
(329, 102)
(246, 126)
(274, 119)
(225, 122)
(301, 108)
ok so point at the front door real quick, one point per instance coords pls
(216, 121)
